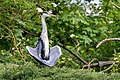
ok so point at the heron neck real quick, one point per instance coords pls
(44, 27)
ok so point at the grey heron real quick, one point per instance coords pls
(42, 52)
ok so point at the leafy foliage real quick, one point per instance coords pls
(71, 27)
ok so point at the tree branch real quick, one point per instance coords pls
(105, 40)
(99, 64)
(118, 7)
(78, 57)
(108, 67)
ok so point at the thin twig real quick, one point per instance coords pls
(16, 45)
(31, 33)
(108, 67)
(91, 62)
(118, 7)
(105, 40)
(14, 41)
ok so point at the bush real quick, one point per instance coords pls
(30, 71)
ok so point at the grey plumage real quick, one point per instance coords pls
(42, 52)
(55, 53)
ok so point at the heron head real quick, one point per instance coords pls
(44, 13)
(48, 14)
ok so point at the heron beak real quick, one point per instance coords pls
(52, 15)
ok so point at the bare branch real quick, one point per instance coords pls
(16, 45)
(89, 64)
(108, 67)
(78, 57)
(118, 7)
(99, 64)
(105, 40)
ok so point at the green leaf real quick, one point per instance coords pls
(18, 34)
(86, 39)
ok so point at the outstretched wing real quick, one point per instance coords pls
(55, 53)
